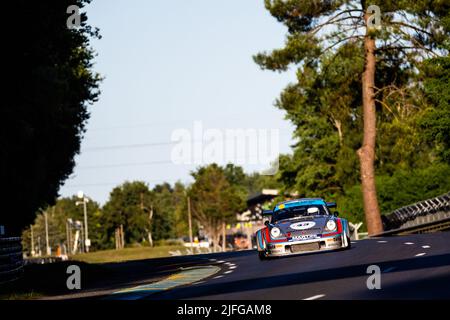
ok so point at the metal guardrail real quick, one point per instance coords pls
(11, 260)
(424, 216)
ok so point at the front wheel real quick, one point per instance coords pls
(349, 243)
(262, 255)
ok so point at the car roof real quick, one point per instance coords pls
(299, 203)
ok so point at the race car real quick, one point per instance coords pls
(302, 226)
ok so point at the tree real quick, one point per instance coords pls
(214, 199)
(48, 83)
(249, 184)
(255, 183)
(436, 120)
(409, 32)
(57, 215)
(181, 225)
(165, 203)
(416, 185)
(126, 206)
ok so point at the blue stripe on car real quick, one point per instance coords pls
(261, 245)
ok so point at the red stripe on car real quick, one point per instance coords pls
(269, 239)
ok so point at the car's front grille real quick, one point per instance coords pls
(305, 247)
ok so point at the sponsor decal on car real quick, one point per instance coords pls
(302, 225)
(304, 237)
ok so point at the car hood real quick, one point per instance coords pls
(304, 225)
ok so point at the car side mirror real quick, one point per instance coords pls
(336, 214)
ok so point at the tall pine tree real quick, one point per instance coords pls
(397, 33)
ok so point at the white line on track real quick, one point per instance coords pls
(409, 243)
(315, 297)
(221, 261)
(232, 267)
(212, 260)
(198, 283)
(426, 247)
(382, 241)
(227, 272)
(389, 269)
(420, 254)
(218, 277)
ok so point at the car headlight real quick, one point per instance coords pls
(275, 232)
(331, 225)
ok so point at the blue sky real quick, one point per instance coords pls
(167, 64)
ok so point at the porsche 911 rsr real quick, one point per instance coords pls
(302, 226)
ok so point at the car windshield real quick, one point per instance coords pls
(300, 211)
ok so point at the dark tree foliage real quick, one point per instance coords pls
(379, 61)
(131, 203)
(65, 208)
(215, 200)
(436, 120)
(48, 84)
(403, 188)
(128, 206)
(164, 211)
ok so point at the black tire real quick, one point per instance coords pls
(349, 243)
(262, 255)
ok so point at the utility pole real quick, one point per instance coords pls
(122, 237)
(224, 238)
(39, 246)
(32, 241)
(84, 201)
(86, 233)
(46, 234)
(189, 220)
(150, 217)
(83, 243)
(68, 232)
(78, 226)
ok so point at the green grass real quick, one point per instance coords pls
(127, 254)
(40, 280)
(20, 295)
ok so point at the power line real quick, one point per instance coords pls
(195, 161)
(151, 144)
(130, 164)
(166, 123)
(127, 146)
(101, 184)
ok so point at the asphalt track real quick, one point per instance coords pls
(413, 267)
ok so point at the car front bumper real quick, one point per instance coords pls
(293, 247)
